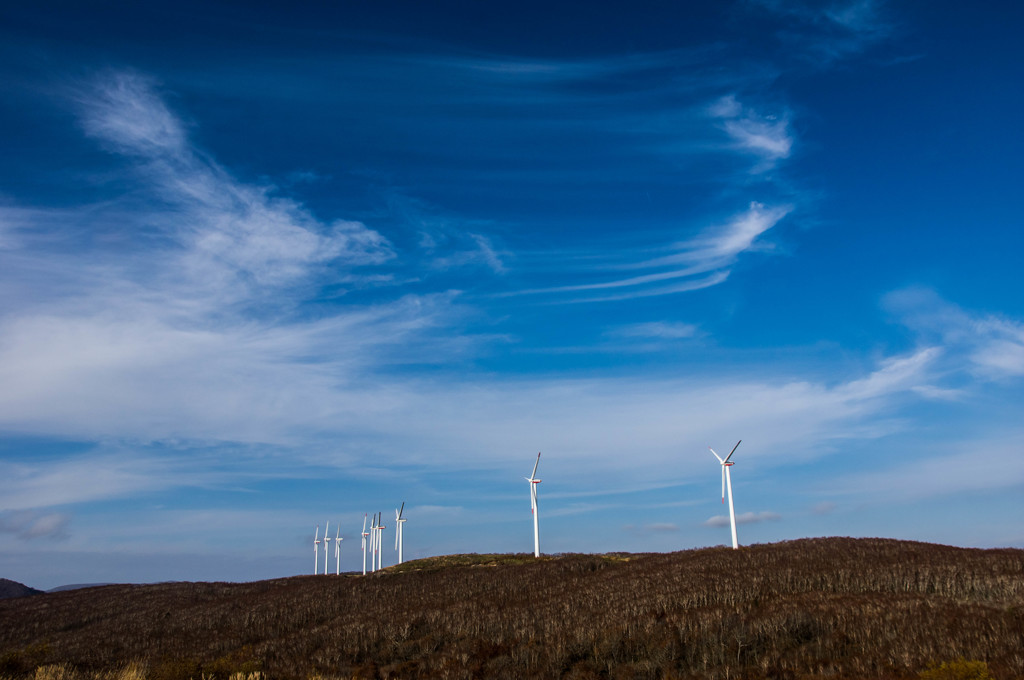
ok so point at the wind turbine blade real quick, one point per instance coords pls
(732, 452)
(364, 522)
(534, 473)
(316, 537)
(723, 484)
(401, 510)
(715, 455)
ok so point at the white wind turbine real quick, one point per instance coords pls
(337, 550)
(727, 484)
(380, 541)
(316, 550)
(373, 542)
(364, 535)
(327, 540)
(532, 479)
(399, 521)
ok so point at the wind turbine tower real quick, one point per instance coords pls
(532, 479)
(327, 540)
(380, 541)
(337, 550)
(373, 543)
(364, 535)
(727, 484)
(316, 550)
(399, 522)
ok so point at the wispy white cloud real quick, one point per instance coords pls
(766, 136)
(993, 346)
(28, 524)
(717, 246)
(484, 423)
(122, 109)
(657, 330)
(640, 106)
(192, 281)
(29, 486)
(228, 235)
(479, 253)
(830, 30)
(988, 463)
(703, 261)
(743, 518)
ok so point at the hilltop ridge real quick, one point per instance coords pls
(835, 607)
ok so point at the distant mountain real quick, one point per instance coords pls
(75, 586)
(9, 589)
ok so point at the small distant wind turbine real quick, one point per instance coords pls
(532, 479)
(364, 535)
(380, 541)
(727, 484)
(375, 541)
(337, 550)
(327, 540)
(399, 521)
(316, 551)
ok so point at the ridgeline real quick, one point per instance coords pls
(816, 608)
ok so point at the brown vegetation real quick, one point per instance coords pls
(837, 608)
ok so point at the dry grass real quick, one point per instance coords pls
(835, 608)
(66, 671)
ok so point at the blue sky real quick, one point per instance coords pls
(263, 268)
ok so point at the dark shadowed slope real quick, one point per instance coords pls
(863, 608)
(11, 589)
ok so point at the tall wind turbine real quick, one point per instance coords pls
(327, 540)
(532, 479)
(727, 484)
(399, 521)
(373, 543)
(364, 535)
(337, 550)
(375, 540)
(380, 541)
(316, 550)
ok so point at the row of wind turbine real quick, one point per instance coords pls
(726, 463)
(326, 543)
(371, 540)
(371, 543)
